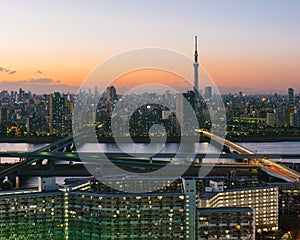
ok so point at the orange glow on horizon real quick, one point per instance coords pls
(151, 76)
(242, 73)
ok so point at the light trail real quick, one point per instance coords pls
(266, 165)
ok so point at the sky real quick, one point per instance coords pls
(249, 45)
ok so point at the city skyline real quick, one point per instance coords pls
(150, 119)
(244, 46)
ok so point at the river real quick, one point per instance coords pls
(258, 147)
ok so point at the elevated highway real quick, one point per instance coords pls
(61, 151)
(134, 167)
(271, 168)
(27, 160)
(74, 157)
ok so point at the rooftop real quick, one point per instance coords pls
(209, 195)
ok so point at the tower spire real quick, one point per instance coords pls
(196, 65)
(196, 50)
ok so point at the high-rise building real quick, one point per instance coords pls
(283, 115)
(263, 200)
(36, 124)
(189, 187)
(271, 119)
(225, 223)
(179, 109)
(111, 98)
(240, 94)
(185, 103)
(291, 96)
(56, 113)
(80, 211)
(21, 94)
(208, 93)
(111, 94)
(96, 93)
(32, 215)
(297, 118)
(90, 209)
(4, 113)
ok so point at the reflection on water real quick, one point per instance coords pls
(141, 147)
(273, 147)
(191, 148)
(263, 147)
(19, 147)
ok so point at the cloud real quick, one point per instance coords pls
(3, 69)
(38, 86)
(12, 72)
(41, 81)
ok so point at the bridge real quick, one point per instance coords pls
(271, 168)
(71, 165)
(63, 151)
(73, 156)
(60, 145)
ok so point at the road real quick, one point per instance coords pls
(271, 168)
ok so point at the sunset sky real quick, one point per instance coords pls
(249, 45)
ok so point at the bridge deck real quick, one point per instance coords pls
(51, 152)
(272, 168)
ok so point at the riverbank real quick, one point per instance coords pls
(50, 139)
(269, 138)
(31, 139)
(202, 139)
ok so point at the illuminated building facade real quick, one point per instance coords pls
(32, 216)
(87, 215)
(126, 216)
(225, 223)
(92, 210)
(263, 201)
(81, 212)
